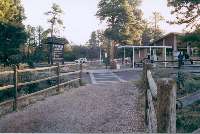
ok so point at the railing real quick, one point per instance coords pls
(55, 73)
(160, 104)
(175, 63)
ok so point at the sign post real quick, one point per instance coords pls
(56, 53)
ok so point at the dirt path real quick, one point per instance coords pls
(92, 108)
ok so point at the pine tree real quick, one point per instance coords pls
(186, 11)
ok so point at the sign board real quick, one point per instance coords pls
(58, 52)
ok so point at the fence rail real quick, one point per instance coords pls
(16, 84)
(160, 104)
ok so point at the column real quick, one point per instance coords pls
(165, 51)
(133, 57)
(124, 54)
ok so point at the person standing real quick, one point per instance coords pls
(180, 60)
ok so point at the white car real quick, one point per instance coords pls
(81, 60)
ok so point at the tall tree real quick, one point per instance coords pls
(157, 17)
(193, 37)
(31, 42)
(55, 17)
(11, 37)
(11, 11)
(55, 20)
(152, 30)
(12, 31)
(123, 20)
(93, 41)
(149, 34)
(186, 11)
(40, 31)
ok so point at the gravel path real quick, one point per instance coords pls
(92, 108)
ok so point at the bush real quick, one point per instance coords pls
(70, 56)
(11, 37)
(192, 85)
(187, 123)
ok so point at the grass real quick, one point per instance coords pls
(188, 118)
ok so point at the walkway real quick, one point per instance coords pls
(188, 100)
(112, 107)
(104, 76)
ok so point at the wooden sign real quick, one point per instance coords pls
(58, 53)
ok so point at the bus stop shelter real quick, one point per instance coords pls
(150, 48)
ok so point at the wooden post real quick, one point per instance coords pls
(58, 76)
(133, 57)
(166, 106)
(15, 83)
(80, 74)
(146, 87)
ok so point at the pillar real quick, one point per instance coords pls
(124, 54)
(165, 53)
(133, 57)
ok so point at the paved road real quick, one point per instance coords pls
(93, 108)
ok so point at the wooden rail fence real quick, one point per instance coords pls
(17, 84)
(160, 104)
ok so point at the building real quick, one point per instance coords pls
(173, 39)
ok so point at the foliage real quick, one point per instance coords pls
(77, 52)
(123, 19)
(180, 78)
(187, 123)
(192, 85)
(193, 37)
(11, 11)
(186, 11)
(55, 18)
(188, 118)
(187, 83)
(11, 37)
(56, 22)
(93, 41)
(103, 41)
(35, 49)
(150, 33)
(70, 56)
(6, 94)
(157, 17)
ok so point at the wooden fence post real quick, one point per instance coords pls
(166, 106)
(146, 67)
(58, 76)
(145, 87)
(15, 83)
(80, 74)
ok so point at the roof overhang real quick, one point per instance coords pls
(166, 35)
(145, 47)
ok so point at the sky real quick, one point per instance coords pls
(80, 20)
